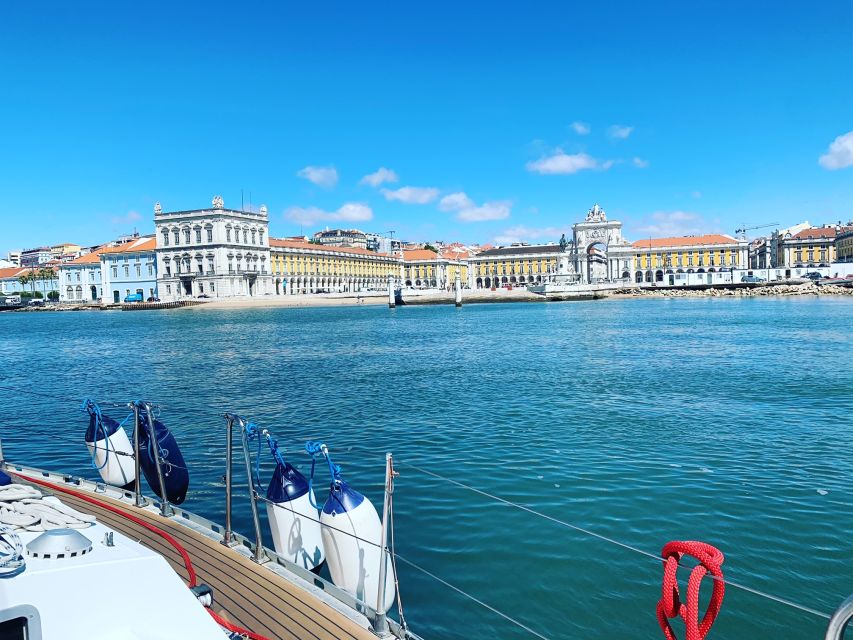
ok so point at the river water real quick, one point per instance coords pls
(722, 420)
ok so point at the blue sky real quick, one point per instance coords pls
(493, 121)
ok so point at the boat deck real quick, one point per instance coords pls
(244, 592)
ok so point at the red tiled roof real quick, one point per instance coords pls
(684, 241)
(140, 244)
(90, 258)
(14, 272)
(419, 254)
(821, 232)
(298, 244)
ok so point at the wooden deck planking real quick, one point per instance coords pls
(243, 592)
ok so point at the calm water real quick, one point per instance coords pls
(645, 420)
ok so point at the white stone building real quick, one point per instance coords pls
(215, 252)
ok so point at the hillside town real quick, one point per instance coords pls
(217, 252)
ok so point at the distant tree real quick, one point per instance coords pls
(45, 274)
(28, 279)
(429, 247)
(53, 295)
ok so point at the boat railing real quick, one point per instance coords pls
(230, 419)
(376, 614)
(165, 508)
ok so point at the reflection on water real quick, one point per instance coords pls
(644, 420)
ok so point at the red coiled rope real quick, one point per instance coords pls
(163, 534)
(670, 605)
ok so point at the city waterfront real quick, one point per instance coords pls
(646, 420)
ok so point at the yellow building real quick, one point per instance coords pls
(426, 269)
(651, 259)
(514, 265)
(304, 267)
(812, 247)
(844, 246)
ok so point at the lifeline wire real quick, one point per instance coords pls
(604, 538)
(469, 596)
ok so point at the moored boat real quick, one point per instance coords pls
(192, 577)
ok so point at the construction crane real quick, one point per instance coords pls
(741, 233)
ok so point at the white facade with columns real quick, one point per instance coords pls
(215, 252)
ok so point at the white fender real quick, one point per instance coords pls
(119, 470)
(295, 531)
(351, 537)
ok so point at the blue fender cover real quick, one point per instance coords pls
(286, 484)
(176, 476)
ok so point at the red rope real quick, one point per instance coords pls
(163, 534)
(670, 605)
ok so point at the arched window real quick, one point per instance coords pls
(79, 292)
(69, 292)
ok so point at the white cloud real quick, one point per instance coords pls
(380, 176)
(326, 177)
(497, 210)
(675, 223)
(468, 211)
(455, 201)
(411, 195)
(129, 218)
(619, 132)
(563, 163)
(840, 153)
(350, 212)
(640, 163)
(521, 233)
(580, 128)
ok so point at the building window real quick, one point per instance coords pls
(151, 293)
(138, 271)
(168, 288)
(230, 266)
(245, 236)
(165, 237)
(126, 271)
(168, 269)
(187, 235)
(253, 236)
(228, 234)
(261, 236)
(150, 269)
(210, 234)
(212, 288)
(210, 265)
(689, 259)
(115, 272)
(198, 235)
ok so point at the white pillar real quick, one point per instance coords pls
(458, 290)
(391, 301)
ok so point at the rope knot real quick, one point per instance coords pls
(670, 605)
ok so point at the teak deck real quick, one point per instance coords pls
(244, 592)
